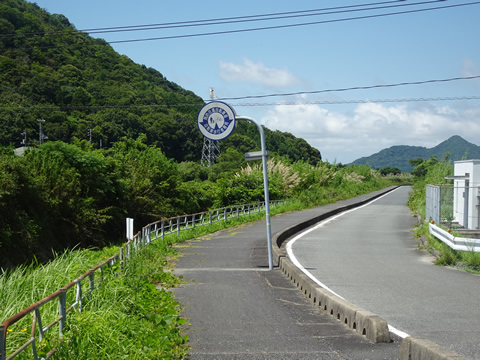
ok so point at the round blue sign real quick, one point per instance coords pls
(216, 120)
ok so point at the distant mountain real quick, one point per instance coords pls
(398, 156)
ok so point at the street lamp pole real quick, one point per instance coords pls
(264, 155)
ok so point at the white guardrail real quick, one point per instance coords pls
(70, 300)
(456, 243)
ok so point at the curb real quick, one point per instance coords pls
(418, 348)
(363, 322)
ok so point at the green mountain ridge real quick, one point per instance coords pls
(398, 156)
(78, 84)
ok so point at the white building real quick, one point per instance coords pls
(466, 182)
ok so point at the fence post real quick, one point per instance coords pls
(79, 296)
(210, 217)
(62, 310)
(91, 281)
(225, 214)
(163, 231)
(121, 258)
(193, 221)
(3, 342)
(178, 226)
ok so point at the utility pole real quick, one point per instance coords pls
(40, 133)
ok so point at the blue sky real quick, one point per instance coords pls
(419, 46)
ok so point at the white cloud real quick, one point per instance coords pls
(373, 127)
(256, 73)
(470, 68)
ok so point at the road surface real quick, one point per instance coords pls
(369, 257)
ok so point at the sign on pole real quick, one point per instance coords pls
(216, 120)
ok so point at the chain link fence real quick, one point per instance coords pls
(453, 206)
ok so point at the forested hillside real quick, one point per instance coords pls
(68, 192)
(50, 71)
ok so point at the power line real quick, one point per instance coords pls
(286, 25)
(353, 88)
(412, 83)
(244, 17)
(254, 18)
(293, 25)
(199, 104)
(365, 101)
(227, 20)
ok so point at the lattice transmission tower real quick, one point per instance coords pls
(211, 149)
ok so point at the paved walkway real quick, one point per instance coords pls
(238, 309)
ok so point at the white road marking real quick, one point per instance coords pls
(292, 257)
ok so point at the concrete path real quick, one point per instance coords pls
(237, 309)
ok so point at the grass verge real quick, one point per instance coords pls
(446, 256)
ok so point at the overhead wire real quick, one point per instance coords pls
(422, 82)
(215, 21)
(199, 104)
(256, 18)
(292, 25)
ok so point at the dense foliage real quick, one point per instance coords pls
(60, 195)
(80, 86)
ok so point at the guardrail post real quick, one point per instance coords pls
(225, 214)
(193, 221)
(91, 281)
(163, 231)
(121, 258)
(62, 310)
(3, 342)
(38, 321)
(178, 226)
(79, 296)
(210, 217)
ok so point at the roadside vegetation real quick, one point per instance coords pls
(127, 315)
(433, 172)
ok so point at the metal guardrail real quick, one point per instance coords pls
(454, 242)
(149, 233)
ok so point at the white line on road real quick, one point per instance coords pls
(310, 275)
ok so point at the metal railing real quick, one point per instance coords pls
(35, 310)
(149, 233)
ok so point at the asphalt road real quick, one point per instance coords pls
(237, 309)
(369, 257)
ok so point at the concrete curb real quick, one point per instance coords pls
(363, 322)
(417, 348)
